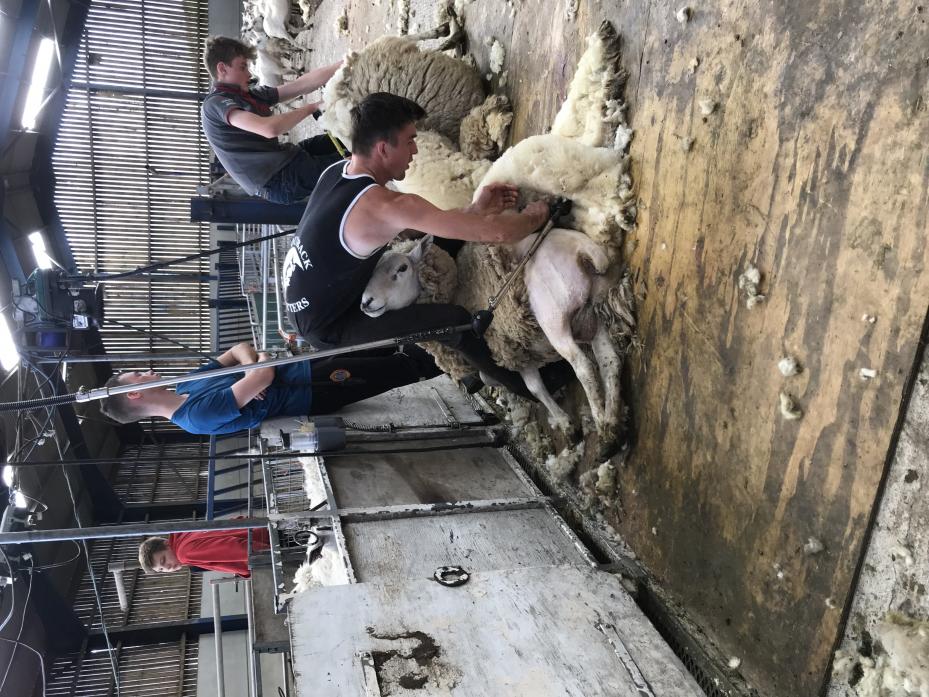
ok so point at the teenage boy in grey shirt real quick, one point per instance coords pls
(243, 131)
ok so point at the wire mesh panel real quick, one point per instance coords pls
(259, 267)
(178, 475)
(287, 486)
(153, 669)
(233, 324)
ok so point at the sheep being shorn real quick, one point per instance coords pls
(572, 291)
(570, 295)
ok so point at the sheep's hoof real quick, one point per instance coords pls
(572, 432)
(613, 440)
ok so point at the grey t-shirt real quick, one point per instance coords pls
(249, 158)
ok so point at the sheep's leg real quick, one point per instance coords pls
(563, 342)
(451, 30)
(610, 362)
(533, 380)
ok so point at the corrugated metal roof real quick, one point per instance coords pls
(127, 160)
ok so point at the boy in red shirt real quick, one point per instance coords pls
(220, 550)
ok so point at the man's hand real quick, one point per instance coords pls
(254, 384)
(538, 210)
(494, 198)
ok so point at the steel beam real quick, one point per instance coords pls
(159, 632)
(103, 532)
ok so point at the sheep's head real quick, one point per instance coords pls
(395, 281)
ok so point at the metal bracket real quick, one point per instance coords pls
(632, 668)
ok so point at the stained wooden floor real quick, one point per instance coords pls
(812, 165)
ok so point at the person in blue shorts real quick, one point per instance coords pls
(235, 402)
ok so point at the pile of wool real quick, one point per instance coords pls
(598, 485)
(313, 481)
(591, 110)
(562, 465)
(327, 569)
(899, 665)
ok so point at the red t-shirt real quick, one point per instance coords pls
(222, 550)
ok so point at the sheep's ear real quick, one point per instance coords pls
(419, 251)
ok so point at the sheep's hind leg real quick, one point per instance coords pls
(610, 362)
(533, 380)
(562, 340)
(450, 30)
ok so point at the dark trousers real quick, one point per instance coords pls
(298, 178)
(355, 327)
(342, 380)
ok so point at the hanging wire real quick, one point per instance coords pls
(55, 565)
(77, 519)
(41, 659)
(19, 635)
(93, 583)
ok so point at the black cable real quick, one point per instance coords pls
(48, 419)
(38, 403)
(179, 260)
(19, 635)
(46, 567)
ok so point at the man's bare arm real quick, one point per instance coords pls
(306, 83)
(393, 212)
(241, 354)
(254, 383)
(270, 126)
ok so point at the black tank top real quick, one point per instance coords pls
(322, 278)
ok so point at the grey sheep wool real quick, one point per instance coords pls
(447, 88)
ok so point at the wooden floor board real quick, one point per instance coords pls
(813, 166)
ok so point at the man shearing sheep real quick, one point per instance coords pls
(352, 216)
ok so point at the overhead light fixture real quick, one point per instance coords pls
(9, 355)
(42, 260)
(8, 475)
(43, 64)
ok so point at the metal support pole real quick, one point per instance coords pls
(286, 673)
(427, 335)
(120, 590)
(254, 670)
(211, 479)
(133, 530)
(265, 265)
(122, 358)
(218, 642)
